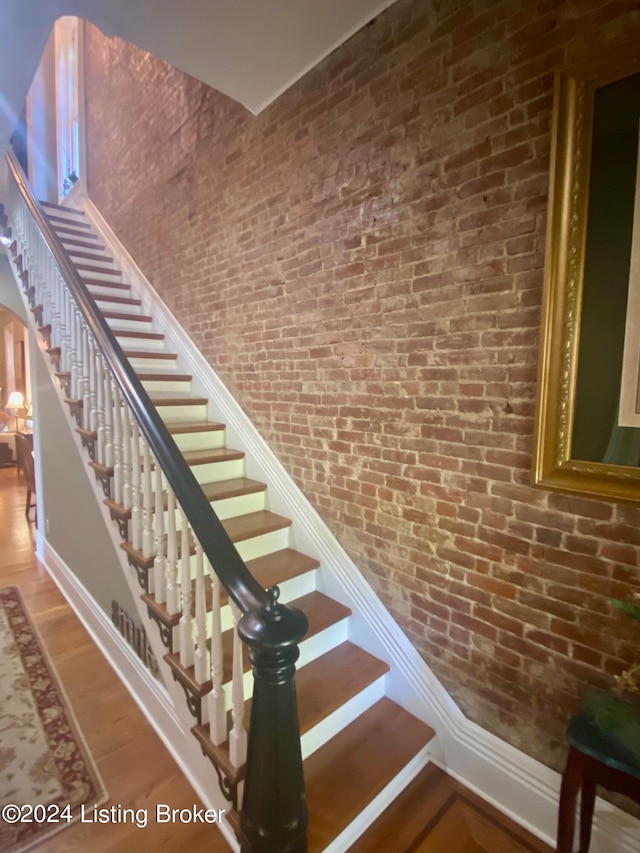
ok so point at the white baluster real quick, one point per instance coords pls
(118, 466)
(136, 491)
(92, 422)
(85, 381)
(74, 388)
(65, 361)
(173, 592)
(201, 654)
(216, 697)
(100, 407)
(160, 562)
(109, 454)
(238, 734)
(126, 457)
(147, 503)
(185, 626)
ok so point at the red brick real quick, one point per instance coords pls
(362, 265)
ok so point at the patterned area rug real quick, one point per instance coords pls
(46, 772)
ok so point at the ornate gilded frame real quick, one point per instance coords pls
(553, 464)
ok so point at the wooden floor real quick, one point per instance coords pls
(136, 769)
(434, 815)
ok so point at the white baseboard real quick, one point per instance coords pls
(515, 783)
(528, 791)
(150, 696)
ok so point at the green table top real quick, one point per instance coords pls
(607, 728)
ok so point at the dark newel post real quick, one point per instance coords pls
(274, 811)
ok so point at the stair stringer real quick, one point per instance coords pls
(518, 785)
(162, 704)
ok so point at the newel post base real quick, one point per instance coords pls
(274, 813)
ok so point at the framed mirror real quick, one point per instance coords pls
(581, 443)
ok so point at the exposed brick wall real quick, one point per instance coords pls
(362, 264)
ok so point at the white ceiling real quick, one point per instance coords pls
(252, 50)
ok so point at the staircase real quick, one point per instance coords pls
(359, 747)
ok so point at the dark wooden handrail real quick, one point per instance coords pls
(236, 578)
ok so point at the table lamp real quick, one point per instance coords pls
(15, 404)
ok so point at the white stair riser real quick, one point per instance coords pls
(132, 323)
(142, 344)
(323, 642)
(210, 472)
(259, 546)
(84, 273)
(122, 307)
(104, 263)
(92, 246)
(74, 231)
(160, 386)
(102, 257)
(228, 470)
(231, 507)
(97, 290)
(342, 717)
(141, 365)
(68, 213)
(208, 440)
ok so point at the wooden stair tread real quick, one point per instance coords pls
(88, 433)
(134, 333)
(104, 471)
(71, 227)
(58, 221)
(122, 315)
(83, 243)
(239, 528)
(168, 356)
(274, 568)
(217, 454)
(252, 524)
(224, 489)
(137, 556)
(281, 565)
(118, 300)
(54, 206)
(320, 610)
(90, 256)
(193, 426)
(163, 377)
(347, 668)
(179, 400)
(116, 509)
(85, 268)
(347, 772)
(96, 282)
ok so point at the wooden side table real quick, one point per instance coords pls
(7, 448)
(604, 749)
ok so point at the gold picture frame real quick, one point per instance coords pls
(563, 458)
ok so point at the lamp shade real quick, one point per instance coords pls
(15, 401)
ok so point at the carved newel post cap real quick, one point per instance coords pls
(274, 626)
